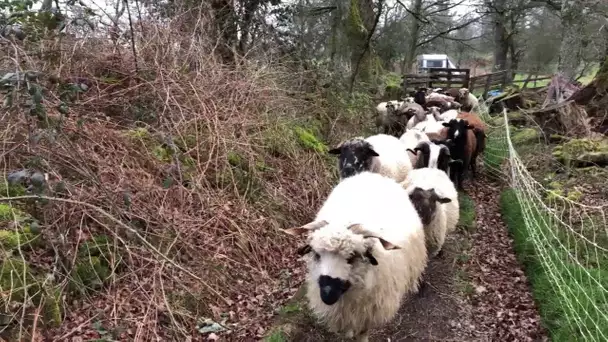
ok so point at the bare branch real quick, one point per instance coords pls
(445, 32)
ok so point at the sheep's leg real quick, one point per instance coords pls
(363, 337)
(474, 167)
(440, 253)
(422, 286)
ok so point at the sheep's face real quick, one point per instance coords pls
(463, 92)
(425, 203)
(409, 99)
(339, 258)
(354, 156)
(457, 128)
(423, 153)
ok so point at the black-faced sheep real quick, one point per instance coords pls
(366, 250)
(436, 201)
(380, 153)
(463, 144)
(410, 140)
(433, 155)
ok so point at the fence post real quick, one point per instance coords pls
(467, 80)
(487, 86)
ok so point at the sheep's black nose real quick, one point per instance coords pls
(348, 171)
(331, 289)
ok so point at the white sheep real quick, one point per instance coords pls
(468, 101)
(448, 115)
(367, 250)
(380, 153)
(410, 140)
(415, 122)
(435, 95)
(436, 200)
(381, 107)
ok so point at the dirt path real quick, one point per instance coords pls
(476, 290)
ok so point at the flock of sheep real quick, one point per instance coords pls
(370, 242)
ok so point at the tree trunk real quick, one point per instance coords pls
(249, 9)
(573, 23)
(501, 41)
(360, 22)
(225, 23)
(410, 55)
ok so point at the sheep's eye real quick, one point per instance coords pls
(317, 256)
(352, 258)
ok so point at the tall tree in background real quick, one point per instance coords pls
(573, 24)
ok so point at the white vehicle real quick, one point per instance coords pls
(424, 62)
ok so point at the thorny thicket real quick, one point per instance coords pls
(165, 188)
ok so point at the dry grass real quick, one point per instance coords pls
(188, 167)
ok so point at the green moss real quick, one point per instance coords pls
(139, 133)
(7, 190)
(574, 148)
(236, 160)
(162, 153)
(16, 278)
(52, 306)
(8, 213)
(10, 240)
(309, 141)
(290, 308)
(276, 336)
(525, 135)
(89, 274)
(96, 259)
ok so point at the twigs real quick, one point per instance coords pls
(123, 225)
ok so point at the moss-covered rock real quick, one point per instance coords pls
(578, 150)
(89, 274)
(517, 118)
(11, 240)
(16, 280)
(525, 135)
(557, 190)
(96, 260)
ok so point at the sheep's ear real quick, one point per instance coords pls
(443, 200)
(297, 231)
(370, 257)
(445, 124)
(304, 250)
(359, 229)
(387, 245)
(372, 153)
(414, 151)
(335, 151)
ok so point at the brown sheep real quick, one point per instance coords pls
(479, 128)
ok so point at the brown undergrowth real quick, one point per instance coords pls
(166, 189)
